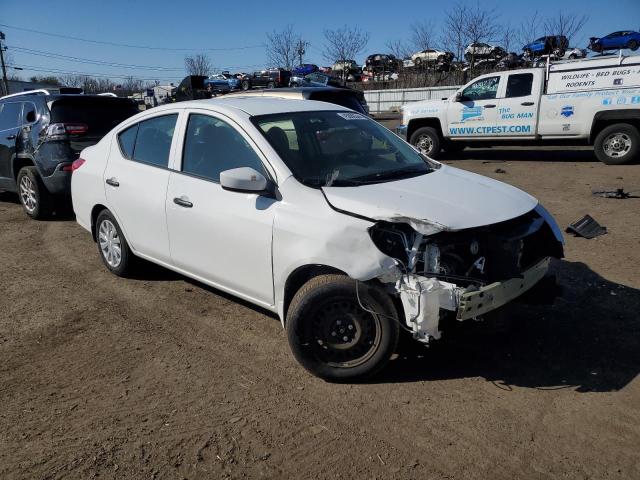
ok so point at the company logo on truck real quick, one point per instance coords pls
(567, 111)
(471, 112)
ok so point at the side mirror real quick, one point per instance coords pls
(458, 96)
(243, 179)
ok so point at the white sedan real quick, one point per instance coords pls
(315, 212)
(430, 55)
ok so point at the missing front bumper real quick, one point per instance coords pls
(495, 295)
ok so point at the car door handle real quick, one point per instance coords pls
(489, 106)
(113, 182)
(183, 202)
(11, 137)
(527, 104)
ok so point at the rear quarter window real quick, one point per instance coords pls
(127, 141)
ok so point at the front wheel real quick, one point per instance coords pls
(427, 140)
(271, 85)
(245, 85)
(112, 246)
(617, 144)
(333, 337)
(36, 200)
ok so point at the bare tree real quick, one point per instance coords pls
(282, 47)
(480, 26)
(530, 29)
(508, 38)
(454, 35)
(565, 24)
(198, 64)
(48, 80)
(344, 43)
(132, 84)
(422, 35)
(398, 48)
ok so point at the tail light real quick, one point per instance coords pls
(62, 129)
(76, 164)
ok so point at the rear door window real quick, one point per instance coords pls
(519, 85)
(10, 115)
(153, 140)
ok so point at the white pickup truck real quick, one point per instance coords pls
(593, 101)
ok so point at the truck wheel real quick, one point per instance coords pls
(113, 247)
(245, 85)
(333, 337)
(427, 140)
(632, 45)
(271, 85)
(34, 196)
(617, 144)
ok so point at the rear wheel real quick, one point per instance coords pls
(427, 140)
(617, 144)
(333, 337)
(271, 85)
(113, 247)
(245, 85)
(36, 200)
(632, 45)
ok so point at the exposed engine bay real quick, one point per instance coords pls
(467, 272)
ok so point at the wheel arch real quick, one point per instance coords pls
(19, 162)
(417, 123)
(301, 275)
(95, 211)
(601, 120)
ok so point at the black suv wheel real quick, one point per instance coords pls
(34, 196)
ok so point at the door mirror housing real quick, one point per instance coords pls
(458, 97)
(244, 179)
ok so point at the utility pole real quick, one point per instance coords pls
(5, 82)
(301, 47)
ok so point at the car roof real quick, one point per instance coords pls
(255, 105)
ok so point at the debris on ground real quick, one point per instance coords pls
(586, 227)
(500, 170)
(618, 193)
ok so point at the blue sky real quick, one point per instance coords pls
(237, 28)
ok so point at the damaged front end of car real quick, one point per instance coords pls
(464, 274)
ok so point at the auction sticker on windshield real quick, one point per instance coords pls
(351, 116)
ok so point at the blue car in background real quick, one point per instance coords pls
(222, 83)
(550, 44)
(304, 69)
(616, 40)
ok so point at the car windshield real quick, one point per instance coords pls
(340, 149)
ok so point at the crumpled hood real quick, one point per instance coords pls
(445, 199)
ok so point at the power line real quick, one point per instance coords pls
(40, 68)
(42, 53)
(126, 45)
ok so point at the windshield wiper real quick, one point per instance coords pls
(395, 174)
(338, 182)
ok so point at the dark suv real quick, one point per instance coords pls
(266, 78)
(42, 134)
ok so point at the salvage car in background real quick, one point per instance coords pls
(547, 45)
(304, 69)
(274, 78)
(346, 97)
(382, 62)
(483, 50)
(431, 55)
(317, 213)
(42, 134)
(616, 40)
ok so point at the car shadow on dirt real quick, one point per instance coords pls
(504, 154)
(588, 340)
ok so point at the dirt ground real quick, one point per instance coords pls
(160, 377)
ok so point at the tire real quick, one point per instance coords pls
(327, 307)
(632, 45)
(427, 140)
(617, 144)
(271, 85)
(245, 85)
(294, 85)
(417, 62)
(573, 56)
(36, 200)
(108, 237)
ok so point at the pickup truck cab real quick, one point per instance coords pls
(594, 101)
